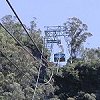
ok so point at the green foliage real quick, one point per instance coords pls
(17, 83)
(77, 34)
(91, 54)
(76, 77)
(77, 81)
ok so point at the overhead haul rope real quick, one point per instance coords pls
(44, 59)
(26, 30)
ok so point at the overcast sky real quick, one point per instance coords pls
(56, 12)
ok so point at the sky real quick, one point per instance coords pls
(56, 12)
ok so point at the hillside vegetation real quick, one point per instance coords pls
(79, 79)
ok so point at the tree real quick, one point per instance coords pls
(18, 83)
(79, 80)
(13, 26)
(91, 54)
(77, 34)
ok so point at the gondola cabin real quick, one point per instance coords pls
(59, 57)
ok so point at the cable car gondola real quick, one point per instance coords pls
(59, 57)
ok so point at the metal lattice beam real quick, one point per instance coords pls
(52, 34)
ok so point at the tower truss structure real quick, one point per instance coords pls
(52, 35)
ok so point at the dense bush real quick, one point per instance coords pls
(76, 77)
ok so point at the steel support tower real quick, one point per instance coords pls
(52, 35)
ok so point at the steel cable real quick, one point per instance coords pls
(25, 29)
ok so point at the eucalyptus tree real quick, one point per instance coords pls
(77, 33)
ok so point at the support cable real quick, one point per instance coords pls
(25, 28)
